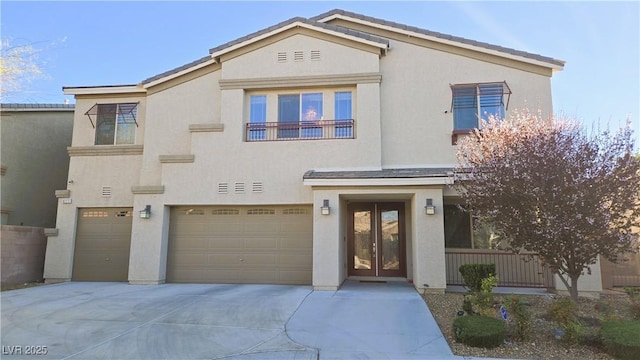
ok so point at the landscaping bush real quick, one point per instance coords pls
(621, 338)
(479, 331)
(520, 317)
(472, 274)
(564, 312)
(634, 294)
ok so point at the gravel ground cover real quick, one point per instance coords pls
(541, 344)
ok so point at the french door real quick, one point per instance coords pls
(376, 242)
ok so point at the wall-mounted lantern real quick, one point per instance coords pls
(429, 208)
(146, 213)
(325, 209)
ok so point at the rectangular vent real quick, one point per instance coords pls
(295, 211)
(257, 187)
(225, 212)
(282, 57)
(239, 187)
(189, 212)
(223, 188)
(315, 55)
(298, 56)
(106, 191)
(95, 213)
(261, 212)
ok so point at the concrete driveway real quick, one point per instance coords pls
(213, 321)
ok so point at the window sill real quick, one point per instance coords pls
(455, 134)
(105, 150)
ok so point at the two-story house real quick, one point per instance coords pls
(309, 152)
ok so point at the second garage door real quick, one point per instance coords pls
(256, 244)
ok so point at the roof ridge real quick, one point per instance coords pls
(439, 35)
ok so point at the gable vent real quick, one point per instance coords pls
(298, 56)
(239, 187)
(257, 187)
(223, 188)
(315, 55)
(282, 57)
(106, 191)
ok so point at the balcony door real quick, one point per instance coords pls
(376, 241)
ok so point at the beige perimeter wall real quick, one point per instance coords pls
(22, 250)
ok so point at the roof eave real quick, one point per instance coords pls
(555, 64)
(217, 54)
(102, 90)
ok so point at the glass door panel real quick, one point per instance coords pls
(390, 249)
(361, 246)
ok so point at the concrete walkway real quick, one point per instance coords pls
(369, 321)
(204, 321)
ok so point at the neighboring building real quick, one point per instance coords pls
(306, 153)
(35, 162)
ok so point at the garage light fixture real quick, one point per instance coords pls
(146, 213)
(325, 209)
(429, 208)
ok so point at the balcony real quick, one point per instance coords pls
(305, 130)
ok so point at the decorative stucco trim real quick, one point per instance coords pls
(5, 210)
(166, 159)
(299, 81)
(100, 90)
(380, 182)
(50, 232)
(206, 127)
(63, 193)
(148, 189)
(105, 150)
(3, 170)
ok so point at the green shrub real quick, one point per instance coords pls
(634, 294)
(564, 312)
(479, 331)
(472, 275)
(621, 338)
(520, 317)
(481, 302)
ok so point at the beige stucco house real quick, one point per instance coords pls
(309, 152)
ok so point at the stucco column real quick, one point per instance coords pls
(58, 264)
(589, 285)
(327, 258)
(149, 241)
(429, 268)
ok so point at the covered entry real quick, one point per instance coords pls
(103, 240)
(241, 244)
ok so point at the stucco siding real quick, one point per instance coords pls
(416, 100)
(334, 59)
(35, 164)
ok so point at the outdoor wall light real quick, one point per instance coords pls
(429, 208)
(325, 209)
(146, 213)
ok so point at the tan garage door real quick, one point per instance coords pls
(250, 245)
(103, 240)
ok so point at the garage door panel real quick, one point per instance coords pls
(102, 244)
(266, 244)
(261, 243)
(295, 244)
(295, 261)
(224, 242)
(224, 260)
(185, 259)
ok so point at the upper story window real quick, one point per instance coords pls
(472, 102)
(300, 116)
(115, 124)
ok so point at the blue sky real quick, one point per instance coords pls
(85, 43)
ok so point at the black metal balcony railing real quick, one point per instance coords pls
(305, 130)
